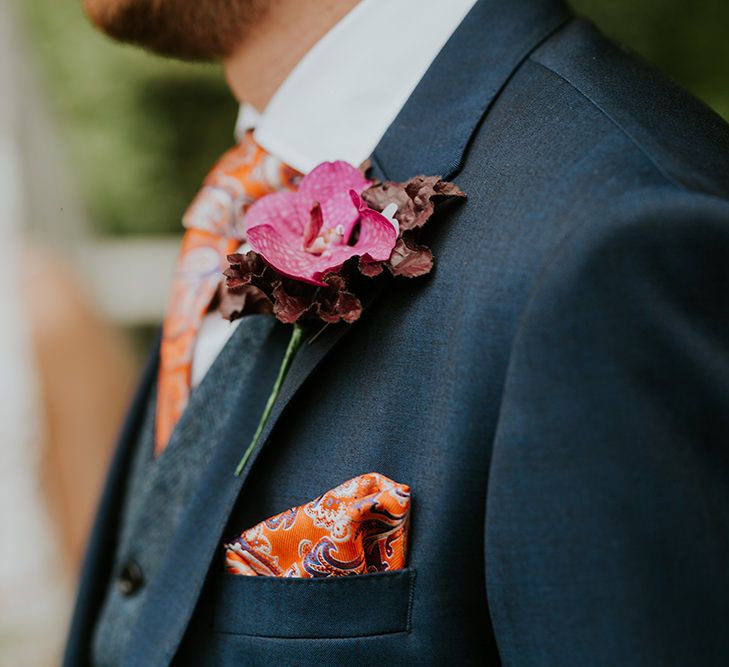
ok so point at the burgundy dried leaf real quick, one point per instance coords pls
(287, 308)
(254, 286)
(247, 300)
(232, 304)
(335, 282)
(348, 307)
(244, 270)
(380, 195)
(247, 290)
(335, 303)
(365, 167)
(409, 259)
(415, 199)
(448, 189)
(370, 269)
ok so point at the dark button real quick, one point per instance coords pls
(130, 579)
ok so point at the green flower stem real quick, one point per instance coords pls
(297, 335)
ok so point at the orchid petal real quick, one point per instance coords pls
(377, 236)
(313, 225)
(289, 230)
(377, 233)
(287, 258)
(280, 210)
(329, 184)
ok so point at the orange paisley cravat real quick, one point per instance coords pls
(215, 228)
(358, 527)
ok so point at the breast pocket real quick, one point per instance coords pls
(335, 607)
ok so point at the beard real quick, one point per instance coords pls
(201, 30)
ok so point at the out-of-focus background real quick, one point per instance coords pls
(101, 148)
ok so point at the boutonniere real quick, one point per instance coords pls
(311, 247)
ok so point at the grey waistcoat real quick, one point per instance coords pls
(159, 490)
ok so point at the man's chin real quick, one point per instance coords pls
(186, 29)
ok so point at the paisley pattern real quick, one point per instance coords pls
(241, 176)
(215, 223)
(358, 527)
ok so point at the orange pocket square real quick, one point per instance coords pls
(358, 527)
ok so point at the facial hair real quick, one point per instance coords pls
(201, 30)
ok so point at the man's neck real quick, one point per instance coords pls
(285, 33)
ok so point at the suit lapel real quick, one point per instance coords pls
(173, 594)
(430, 136)
(432, 132)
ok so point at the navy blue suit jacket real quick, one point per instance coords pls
(556, 393)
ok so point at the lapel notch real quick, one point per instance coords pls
(432, 132)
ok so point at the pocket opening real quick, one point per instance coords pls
(330, 608)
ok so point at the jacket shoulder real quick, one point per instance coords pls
(680, 135)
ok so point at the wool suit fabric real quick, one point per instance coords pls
(555, 393)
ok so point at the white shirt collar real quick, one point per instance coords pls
(340, 99)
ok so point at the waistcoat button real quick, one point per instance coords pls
(130, 579)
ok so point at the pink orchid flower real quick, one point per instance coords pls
(308, 233)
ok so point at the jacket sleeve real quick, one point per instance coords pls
(607, 529)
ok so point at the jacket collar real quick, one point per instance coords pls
(430, 135)
(345, 92)
(433, 130)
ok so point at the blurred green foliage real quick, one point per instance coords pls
(143, 131)
(687, 39)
